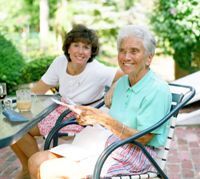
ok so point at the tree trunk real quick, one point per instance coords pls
(180, 72)
(44, 24)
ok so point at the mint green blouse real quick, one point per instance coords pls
(142, 105)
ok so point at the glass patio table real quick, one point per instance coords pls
(10, 132)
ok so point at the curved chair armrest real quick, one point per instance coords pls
(58, 121)
(55, 130)
(61, 117)
(99, 105)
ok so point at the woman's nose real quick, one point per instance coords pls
(127, 56)
(80, 50)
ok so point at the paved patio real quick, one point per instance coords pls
(184, 158)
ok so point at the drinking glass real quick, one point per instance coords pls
(8, 103)
(3, 91)
(24, 100)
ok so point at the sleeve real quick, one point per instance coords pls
(154, 107)
(51, 75)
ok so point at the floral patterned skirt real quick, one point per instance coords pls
(49, 122)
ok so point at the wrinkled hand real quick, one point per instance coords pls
(90, 116)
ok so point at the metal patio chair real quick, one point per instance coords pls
(181, 94)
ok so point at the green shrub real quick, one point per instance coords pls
(34, 70)
(177, 24)
(11, 64)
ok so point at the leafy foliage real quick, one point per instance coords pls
(10, 18)
(103, 16)
(35, 69)
(31, 7)
(11, 64)
(177, 23)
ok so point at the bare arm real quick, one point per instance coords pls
(118, 74)
(109, 94)
(94, 116)
(40, 87)
(124, 131)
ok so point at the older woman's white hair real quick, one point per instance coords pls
(141, 32)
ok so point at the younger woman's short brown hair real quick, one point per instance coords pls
(81, 33)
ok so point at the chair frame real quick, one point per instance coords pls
(182, 100)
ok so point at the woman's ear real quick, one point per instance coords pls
(149, 60)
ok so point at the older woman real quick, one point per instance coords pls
(144, 100)
(79, 77)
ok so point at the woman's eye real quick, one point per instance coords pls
(122, 51)
(133, 52)
(87, 47)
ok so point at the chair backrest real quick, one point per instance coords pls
(163, 153)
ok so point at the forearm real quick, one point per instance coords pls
(123, 131)
(90, 116)
(40, 87)
(118, 128)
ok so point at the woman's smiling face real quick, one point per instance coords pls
(80, 52)
(132, 57)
